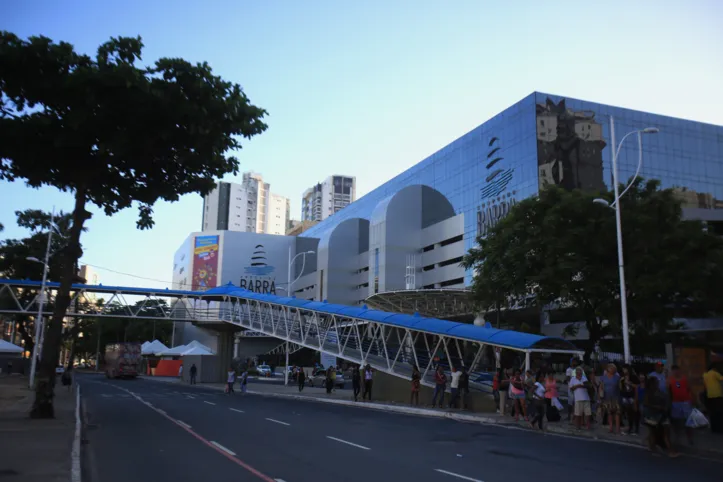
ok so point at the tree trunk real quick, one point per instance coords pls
(45, 379)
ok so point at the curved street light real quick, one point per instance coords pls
(618, 223)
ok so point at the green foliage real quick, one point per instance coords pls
(559, 250)
(114, 133)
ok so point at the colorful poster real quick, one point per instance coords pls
(205, 262)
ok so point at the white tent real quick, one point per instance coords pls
(176, 351)
(193, 348)
(7, 347)
(154, 347)
(196, 350)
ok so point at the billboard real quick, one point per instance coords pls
(205, 262)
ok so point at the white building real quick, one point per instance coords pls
(248, 207)
(328, 197)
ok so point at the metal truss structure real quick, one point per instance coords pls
(437, 303)
(389, 342)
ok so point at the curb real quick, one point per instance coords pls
(75, 467)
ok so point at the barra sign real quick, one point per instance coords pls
(258, 277)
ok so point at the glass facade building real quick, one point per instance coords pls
(545, 139)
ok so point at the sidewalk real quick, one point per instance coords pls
(34, 450)
(706, 444)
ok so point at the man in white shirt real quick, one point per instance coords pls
(454, 387)
(578, 388)
(569, 375)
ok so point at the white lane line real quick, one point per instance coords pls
(279, 480)
(162, 411)
(236, 410)
(463, 477)
(277, 421)
(222, 448)
(348, 443)
(183, 423)
(210, 403)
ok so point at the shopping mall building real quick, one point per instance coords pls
(399, 247)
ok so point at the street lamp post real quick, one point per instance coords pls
(289, 293)
(37, 349)
(615, 151)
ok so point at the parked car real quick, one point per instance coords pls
(264, 370)
(318, 379)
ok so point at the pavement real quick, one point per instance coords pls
(148, 430)
(34, 450)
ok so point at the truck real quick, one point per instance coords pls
(122, 360)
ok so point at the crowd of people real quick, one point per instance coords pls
(622, 401)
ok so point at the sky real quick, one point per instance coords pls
(371, 88)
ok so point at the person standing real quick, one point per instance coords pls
(368, 381)
(611, 397)
(192, 373)
(569, 375)
(628, 386)
(440, 385)
(327, 380)
(659, 373)
(582, 409)
(681, 402)
(230, 379)
(464, 387)
(356, 381)
(538, 403)
(714, 398)
(553, 414)
(454, 387)
(416, 386)
(244, 380)
(301, 378)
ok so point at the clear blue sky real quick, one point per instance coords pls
(371, 88)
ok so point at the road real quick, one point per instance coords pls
(150, 431)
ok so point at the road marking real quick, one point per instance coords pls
(76, 474)
(162, 411)
(463, 477)
(183, 423)
(277, 421)
(223, 448)
(106, 395)
(210, 403)
(348, 443)
(279, 480)
(236, 410)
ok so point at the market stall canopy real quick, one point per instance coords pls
(175, 351)
(7, 347)
(196, 350)
(154, 347)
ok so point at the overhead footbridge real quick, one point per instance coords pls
(390, 342)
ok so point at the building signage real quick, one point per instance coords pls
(205, 262)
(490, 213)
(259, 276)
(495, 204)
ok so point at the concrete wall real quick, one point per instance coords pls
(389, 388)
(210, 369)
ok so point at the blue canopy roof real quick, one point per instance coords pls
(503, 338)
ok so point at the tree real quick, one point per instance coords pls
(14, 263)
(559, 249)
(114, 133)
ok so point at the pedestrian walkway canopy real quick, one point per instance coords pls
(390, 342)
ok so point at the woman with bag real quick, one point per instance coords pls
(517, 391)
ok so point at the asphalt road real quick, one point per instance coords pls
(150, 431)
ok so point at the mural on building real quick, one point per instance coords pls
(259, 275)
(495, 202)
(205, 262)
(569, 147)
